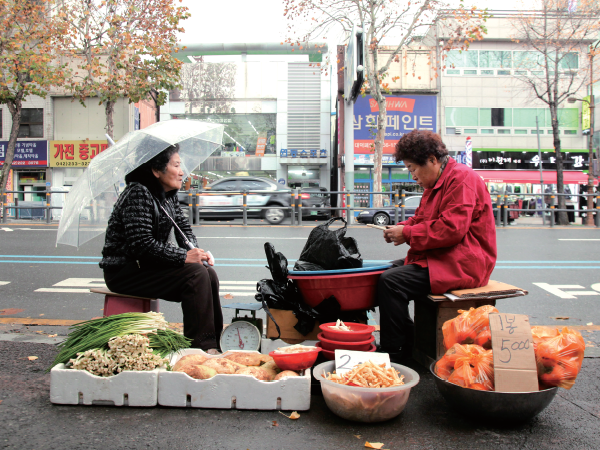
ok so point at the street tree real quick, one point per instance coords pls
(555, 38)
(28, 66)
(400, 21)
(122, 48)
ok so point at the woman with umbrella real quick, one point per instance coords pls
(139, 260)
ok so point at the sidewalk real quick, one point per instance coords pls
(29, 420)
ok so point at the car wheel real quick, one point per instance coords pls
(381, 219)
(274, 215)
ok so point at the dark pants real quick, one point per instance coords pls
(396, 287)
(195, 286)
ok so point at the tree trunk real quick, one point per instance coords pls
(562, 216)
(14, 107)
(109, 109)
(378, 153)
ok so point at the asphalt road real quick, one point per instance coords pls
(559, 268)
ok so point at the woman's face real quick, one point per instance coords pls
(425, 175)
(172, 178)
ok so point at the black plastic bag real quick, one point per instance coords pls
(328, 249)
(282, 293)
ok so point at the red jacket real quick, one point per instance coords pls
(453, 231)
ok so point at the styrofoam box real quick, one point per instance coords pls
(232, 391)
(129, 388)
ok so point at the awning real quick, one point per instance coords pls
(532, 176)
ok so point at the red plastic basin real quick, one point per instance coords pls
(359, 332)
(352, 291)
(295, 361)
(330, 354)
(361, 346)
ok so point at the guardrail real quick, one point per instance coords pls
(296, 210)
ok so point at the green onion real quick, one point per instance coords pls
(96, 333)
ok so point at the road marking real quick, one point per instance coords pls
(64, 290)
(557, 289)
(4, 283)
(82, 282)
(237, 282)
(579, 239)
(7, 229)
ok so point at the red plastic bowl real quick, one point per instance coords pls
(295, 361)
(352, 291)
(359, 332)
(362, 346)
(329, 354)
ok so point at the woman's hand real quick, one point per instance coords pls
(394, 234)
(196, 255)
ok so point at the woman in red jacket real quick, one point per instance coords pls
(452, 238)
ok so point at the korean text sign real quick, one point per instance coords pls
(404, 114)
(515, 369)
(74, 153)
(27, 153)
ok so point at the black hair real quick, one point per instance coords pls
(158, 162)
(418, 145)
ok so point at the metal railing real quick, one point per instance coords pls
(299, 208)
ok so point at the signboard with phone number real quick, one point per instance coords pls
(27, 153)
(74, 153)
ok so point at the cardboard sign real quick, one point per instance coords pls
(346, 360)
(515, 369)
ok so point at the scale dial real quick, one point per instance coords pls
(240, 335)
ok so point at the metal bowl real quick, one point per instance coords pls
(494, 406)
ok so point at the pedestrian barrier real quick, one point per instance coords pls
(544, 205)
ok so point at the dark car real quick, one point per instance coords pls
(386, 216)
(314, 198)
(223, 199)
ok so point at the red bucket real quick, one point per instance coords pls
(361, 346)
(353, 291)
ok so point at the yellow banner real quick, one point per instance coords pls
(9, 187)
(74, 153)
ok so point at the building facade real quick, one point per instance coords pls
(274, 102)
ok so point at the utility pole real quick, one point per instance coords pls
(589, 220)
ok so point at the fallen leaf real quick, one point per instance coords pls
(10, 311)
(589, 324)
(377, 445)
(32, 358)
(357, 436)
(39, 331)
(275, 424)
(42, 314)
(52, 335)
(228, 296)
(292, 416)
(561, 318)
(0, 402)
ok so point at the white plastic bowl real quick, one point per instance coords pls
(366, 404)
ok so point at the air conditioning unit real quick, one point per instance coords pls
(458, 130)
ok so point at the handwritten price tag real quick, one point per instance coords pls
(515, 369)
(346, 360)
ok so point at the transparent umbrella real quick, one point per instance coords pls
(91, 198)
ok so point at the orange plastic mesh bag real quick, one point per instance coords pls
(469, 366)
(470, 327)
(558, 354)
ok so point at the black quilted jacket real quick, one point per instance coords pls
(130, 237)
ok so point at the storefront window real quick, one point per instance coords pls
(244, 134)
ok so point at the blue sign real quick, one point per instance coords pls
(403, 114)
(281, 181)
(27, 153)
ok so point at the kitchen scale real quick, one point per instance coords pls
(244, 333)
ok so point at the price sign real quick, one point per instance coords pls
(346, 360)
(515, 369)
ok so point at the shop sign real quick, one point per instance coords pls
(585, 116)
(27, 153)
(261, 143)
(9, 187)
(492, 160)
(74, 153)
(403, 114)
(368, 159)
